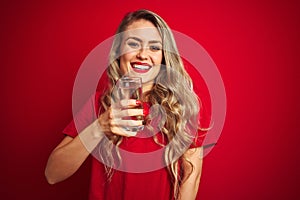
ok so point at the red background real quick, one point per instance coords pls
(255, 46)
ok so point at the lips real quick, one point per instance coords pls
(140, 67)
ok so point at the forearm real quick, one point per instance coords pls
(192, 173)
(65, 160)
(69, 155)
(189, 189)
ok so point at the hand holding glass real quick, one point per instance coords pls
(131, 88)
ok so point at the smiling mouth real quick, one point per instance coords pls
(140, 67)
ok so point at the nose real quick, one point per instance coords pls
(142, 54)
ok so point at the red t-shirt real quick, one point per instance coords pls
(129, 185)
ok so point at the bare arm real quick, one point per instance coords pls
(189, 188)
(69, 155)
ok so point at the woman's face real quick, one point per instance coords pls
(141, 52)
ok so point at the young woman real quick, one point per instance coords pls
(143, 47)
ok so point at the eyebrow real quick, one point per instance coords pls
(138, 39)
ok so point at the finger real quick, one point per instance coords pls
(114, 128)
(126, 123)
(129, 103)
(127, 112)
(122, 132)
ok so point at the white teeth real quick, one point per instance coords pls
(142, 67)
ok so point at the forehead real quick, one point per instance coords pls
(142, 29)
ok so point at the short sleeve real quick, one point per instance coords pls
(89, 112)
(86, 115)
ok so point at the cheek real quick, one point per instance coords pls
(127, 57)
(156, 71)
(157, 59)
(124, 62)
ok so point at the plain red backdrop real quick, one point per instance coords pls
(254, 44)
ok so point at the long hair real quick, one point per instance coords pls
(172, 91)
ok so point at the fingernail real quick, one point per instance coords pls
(138, 102)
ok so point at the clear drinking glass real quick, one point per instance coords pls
(131, 88)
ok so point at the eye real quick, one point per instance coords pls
(155, 48)
(134, 45)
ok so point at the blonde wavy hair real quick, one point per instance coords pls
(172, 91)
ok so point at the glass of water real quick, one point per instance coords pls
(131, 88)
